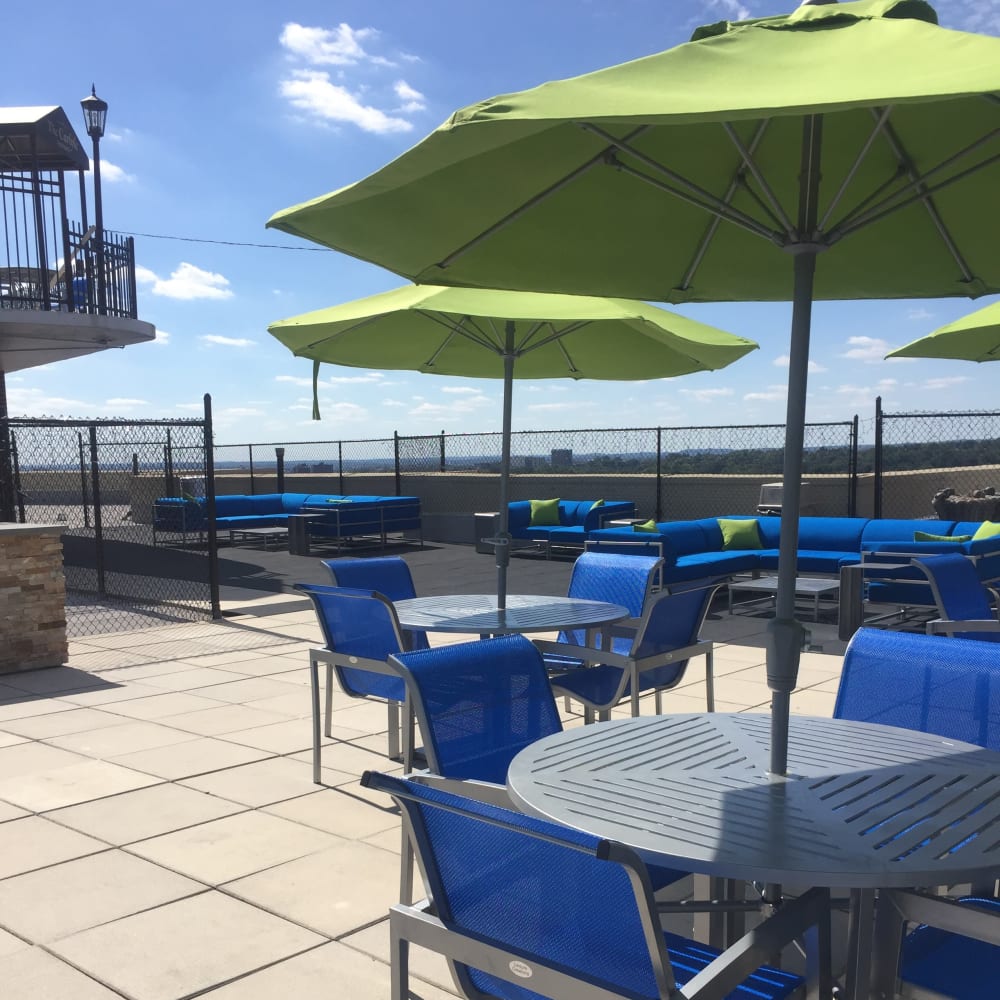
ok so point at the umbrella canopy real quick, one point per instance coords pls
(485, 333)
(843, 151)
(975, 337)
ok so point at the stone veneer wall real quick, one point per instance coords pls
(32, 597)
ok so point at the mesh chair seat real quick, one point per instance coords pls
(960, 597)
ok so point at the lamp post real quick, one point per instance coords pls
(95, 113)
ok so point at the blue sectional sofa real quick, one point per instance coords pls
(693, 549)
(330, 516)
(578, 519)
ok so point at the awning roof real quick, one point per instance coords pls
(42, 132)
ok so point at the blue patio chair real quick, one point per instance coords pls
(360, 632)
(389, 575)
(477, 705)
(652, 655)
(954, 951)
(949, 687)
(524, 909)
(961, 598)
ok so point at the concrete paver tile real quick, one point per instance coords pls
(161, 704)
(144, 813)
(54, 680)
(339, 811)
(425, 965)
(333, 891)
(193, 679)
(125, 737)
(34, 842)
(90, 891)
(247, 690)
(109, 695)
(33, 758)
(286, 736)
(66, 786)
(9, 812)
(262, 782)
(76, 720)
(9, 943)
(293, 703)
(232, 847)
(185, 760)
(10, 739)
(183, 947)
(223, 719)
(23, 707)
(33, 974)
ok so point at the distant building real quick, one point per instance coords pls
(562, 457)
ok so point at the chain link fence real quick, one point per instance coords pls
(99, 479)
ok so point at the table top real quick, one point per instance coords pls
(478, 614)
(864, 806)
(803, 584)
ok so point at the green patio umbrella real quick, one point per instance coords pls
(857, 136)
(485, 333)
(975, 337)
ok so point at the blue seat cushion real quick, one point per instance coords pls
(695, 567)
(810, 560)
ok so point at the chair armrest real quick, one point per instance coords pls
(939, 626)
(481, 791)
(590, 656)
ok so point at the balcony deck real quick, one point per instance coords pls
(160, 835)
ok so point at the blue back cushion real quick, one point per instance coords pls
(832, 534)
(291, 503)
(686, 537)
(898, 530)
(233, 505)
(266, 503)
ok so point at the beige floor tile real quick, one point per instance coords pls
(33, 842)
(54, 680)
(76, 720)
(90, 891)
(146, 812)
(23, 708)
(184, 947)
(813, 702)
(425, 965)
(9, 812)
(263, 782)
(223, 719)
(66, 786)
(294, 704)
(247, 690)
(185, 760)
(32, 974)
(232, 847)
(107, 659)
(33, 758)
(162, 704)
(109, 695)
(387, 840)
(125, 737)
(339, 811)
(194, 679)
(346, 886)
(9, 943)
(286, 736)
(254, 664)
(123, 675)
(11, 740)
(309, 977)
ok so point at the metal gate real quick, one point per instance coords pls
(100, 479)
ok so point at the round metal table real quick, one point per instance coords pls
(478, 614)
(864, 806)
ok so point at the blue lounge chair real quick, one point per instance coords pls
(524, 909)
(961, 598)
(360, 632)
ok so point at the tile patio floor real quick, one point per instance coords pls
(160, 836)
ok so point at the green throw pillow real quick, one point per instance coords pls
(597, 503)
(926, 536)
(649, 525)
(739, 534)
(544, 513)
(986, 530)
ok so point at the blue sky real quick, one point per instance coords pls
(221, 113)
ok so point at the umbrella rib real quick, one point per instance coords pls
(588, 165)
(778, 210)
(880, 124)
(713, 225)
(699, 197)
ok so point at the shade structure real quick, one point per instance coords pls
(842, 151)
(485, 333)
(975, 337)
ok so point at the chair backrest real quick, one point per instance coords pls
(615, 578)
(537, 889)
(672, 620)
(389, 575)
(934, 684)
(478, 703)
(958, 592)
(358, 625)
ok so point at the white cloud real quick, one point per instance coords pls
(462, 405)
(341, 46)
(214, 338)
(707, 395)
(557, 407)
(315, 94)
(944, 382)
(919, 314)
(412, 99)
(162, 337)
(186, 282)
(233, 412)
(971, 15)
(868, 349)
(124, 401)
(732, 10)
(111, 173)
(783, 361)
(372, 378)
(773, 393)
(465, 390)
(342, 412)
(23, 402)
(192, 407)
(294, 380)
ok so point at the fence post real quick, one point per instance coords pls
(83, 480)
(95, 478)
(659, 471)
(135, 463)
(852, 471)
(395, 445)
(250, 450)
(18, 492)
(279, 455)
(6, 472)
(877, 511)
(213, 543)
(340, 466)
(441, 467)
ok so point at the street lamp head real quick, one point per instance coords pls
(95, 112)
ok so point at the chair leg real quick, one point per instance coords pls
(658, 696)
(710, 681)
(329, 701)
(635, 692)
(394, 749)
(405, 863)
(408, 728)
(399, 955)
(314, 684)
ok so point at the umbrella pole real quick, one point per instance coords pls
(784, 633)
(502, 540)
